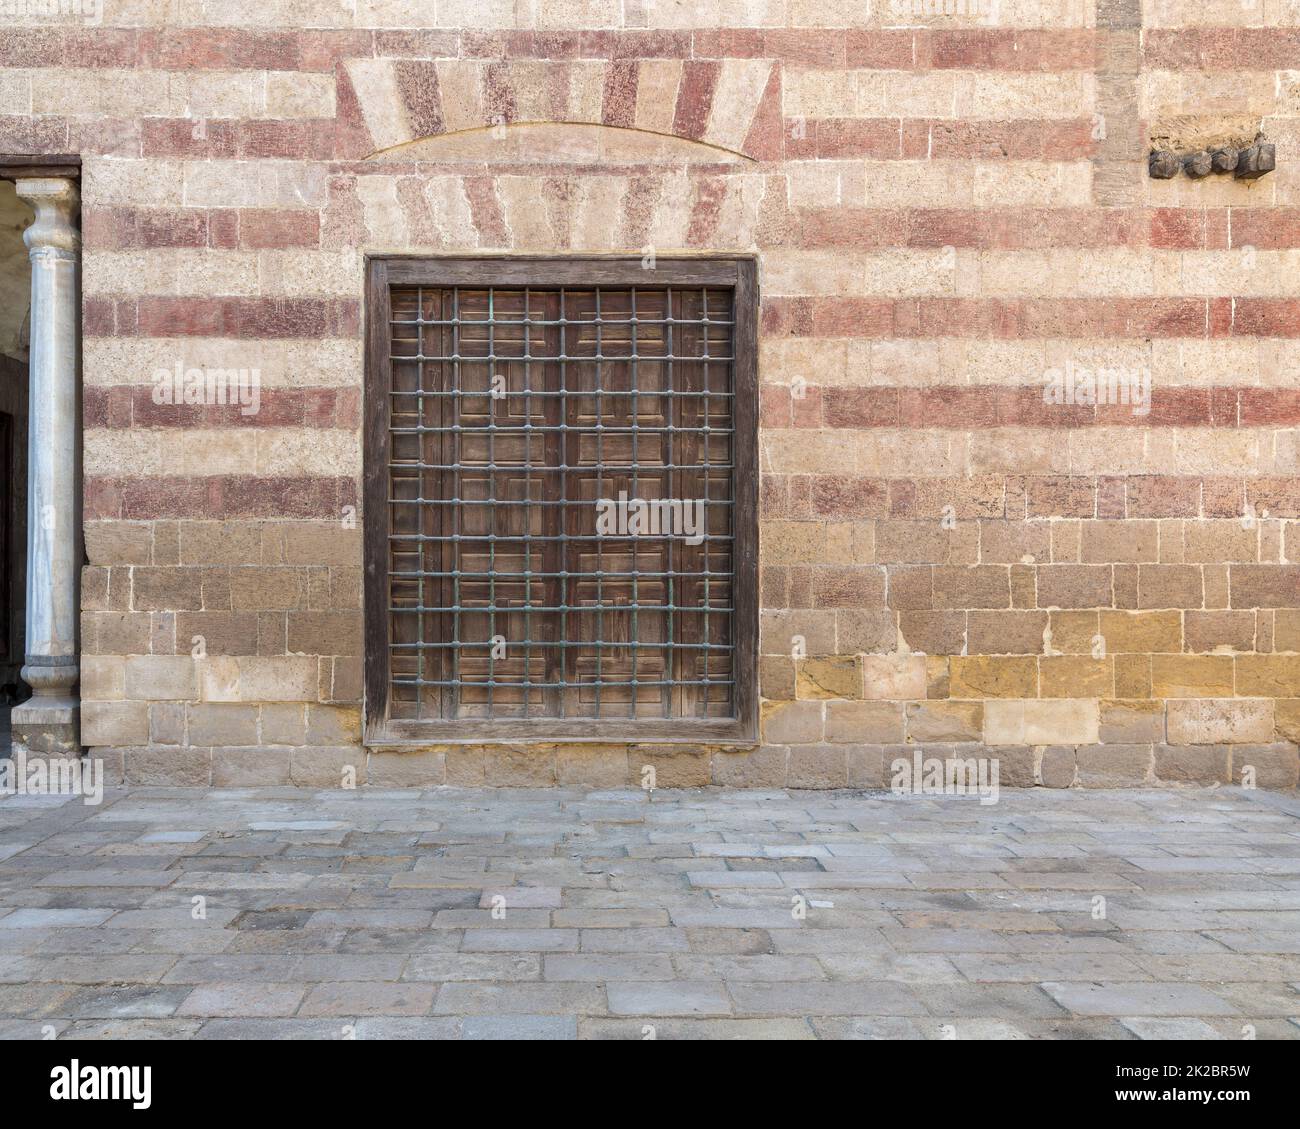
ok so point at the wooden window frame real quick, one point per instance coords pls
(383, 272)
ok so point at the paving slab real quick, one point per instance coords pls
(446, 913)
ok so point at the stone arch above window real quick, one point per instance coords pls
(685, 109)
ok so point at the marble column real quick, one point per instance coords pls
(49, 722)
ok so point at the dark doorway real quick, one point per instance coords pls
(13, 535)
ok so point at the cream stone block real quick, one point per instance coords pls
(449, 211)
(878, 274)
(586, 90)
(1177, 361)
(815, 360)
(1065, 721)
(395, 13)
(375, 83)
(103, 678)
(297, 273)
(596, 225)
(818, 93)
(330, 362)
(528, 79)
(1286, 452)
(813, 273)
(845, 13)
(456, 13)
(1218, 191)
(223, 94)
(1002, 362)
(1108, 450)
(171, 271)
(806, 452)
(207, 452)
(672, 215)
(524, 206)
(736, 96)
(298, 94)
(850, 542)
(817, 184)
(914, 363)
(264, 13)
(382, 212)
(16, 93)
(1015, 450)
(791, 542)
(717, 14)
(1096, 273)
(307, 451)
(114, 723)
(1205, 13)
(579, 13)
(1034, 184)
(739, 212)
(1164, 94)
(920, 184)
(218, 677)
(161, 677)
(117, 92)
(893, 677)
(1093, 354)
(1011, 95)
(110, 181)
(906, 94)
(1220, 721)
(256, 184)
(461, 91)
(1241, 273)
(121, 452)
(278, 679)
(906, 454)
(1217, 450)
(911, 273)
(656, 94)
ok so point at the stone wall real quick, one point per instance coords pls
(950, 210)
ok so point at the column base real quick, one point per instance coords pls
(47, 726)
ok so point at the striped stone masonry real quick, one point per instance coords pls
(1029, 441)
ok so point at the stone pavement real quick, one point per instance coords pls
(451, 913)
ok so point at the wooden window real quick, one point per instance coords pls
(561, 499)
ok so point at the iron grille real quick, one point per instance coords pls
(527, 426)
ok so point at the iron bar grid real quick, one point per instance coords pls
(513, 412)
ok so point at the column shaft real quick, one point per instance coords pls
(49, 721)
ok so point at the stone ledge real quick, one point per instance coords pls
(816, 765)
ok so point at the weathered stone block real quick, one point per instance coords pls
(792, 722)
(1041, 722)
(114, 723)
(817, 766)
(1192, 764)
(1210, 721)
(945, 722)
(836, 677)
(1114, 766)
(872, 723)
